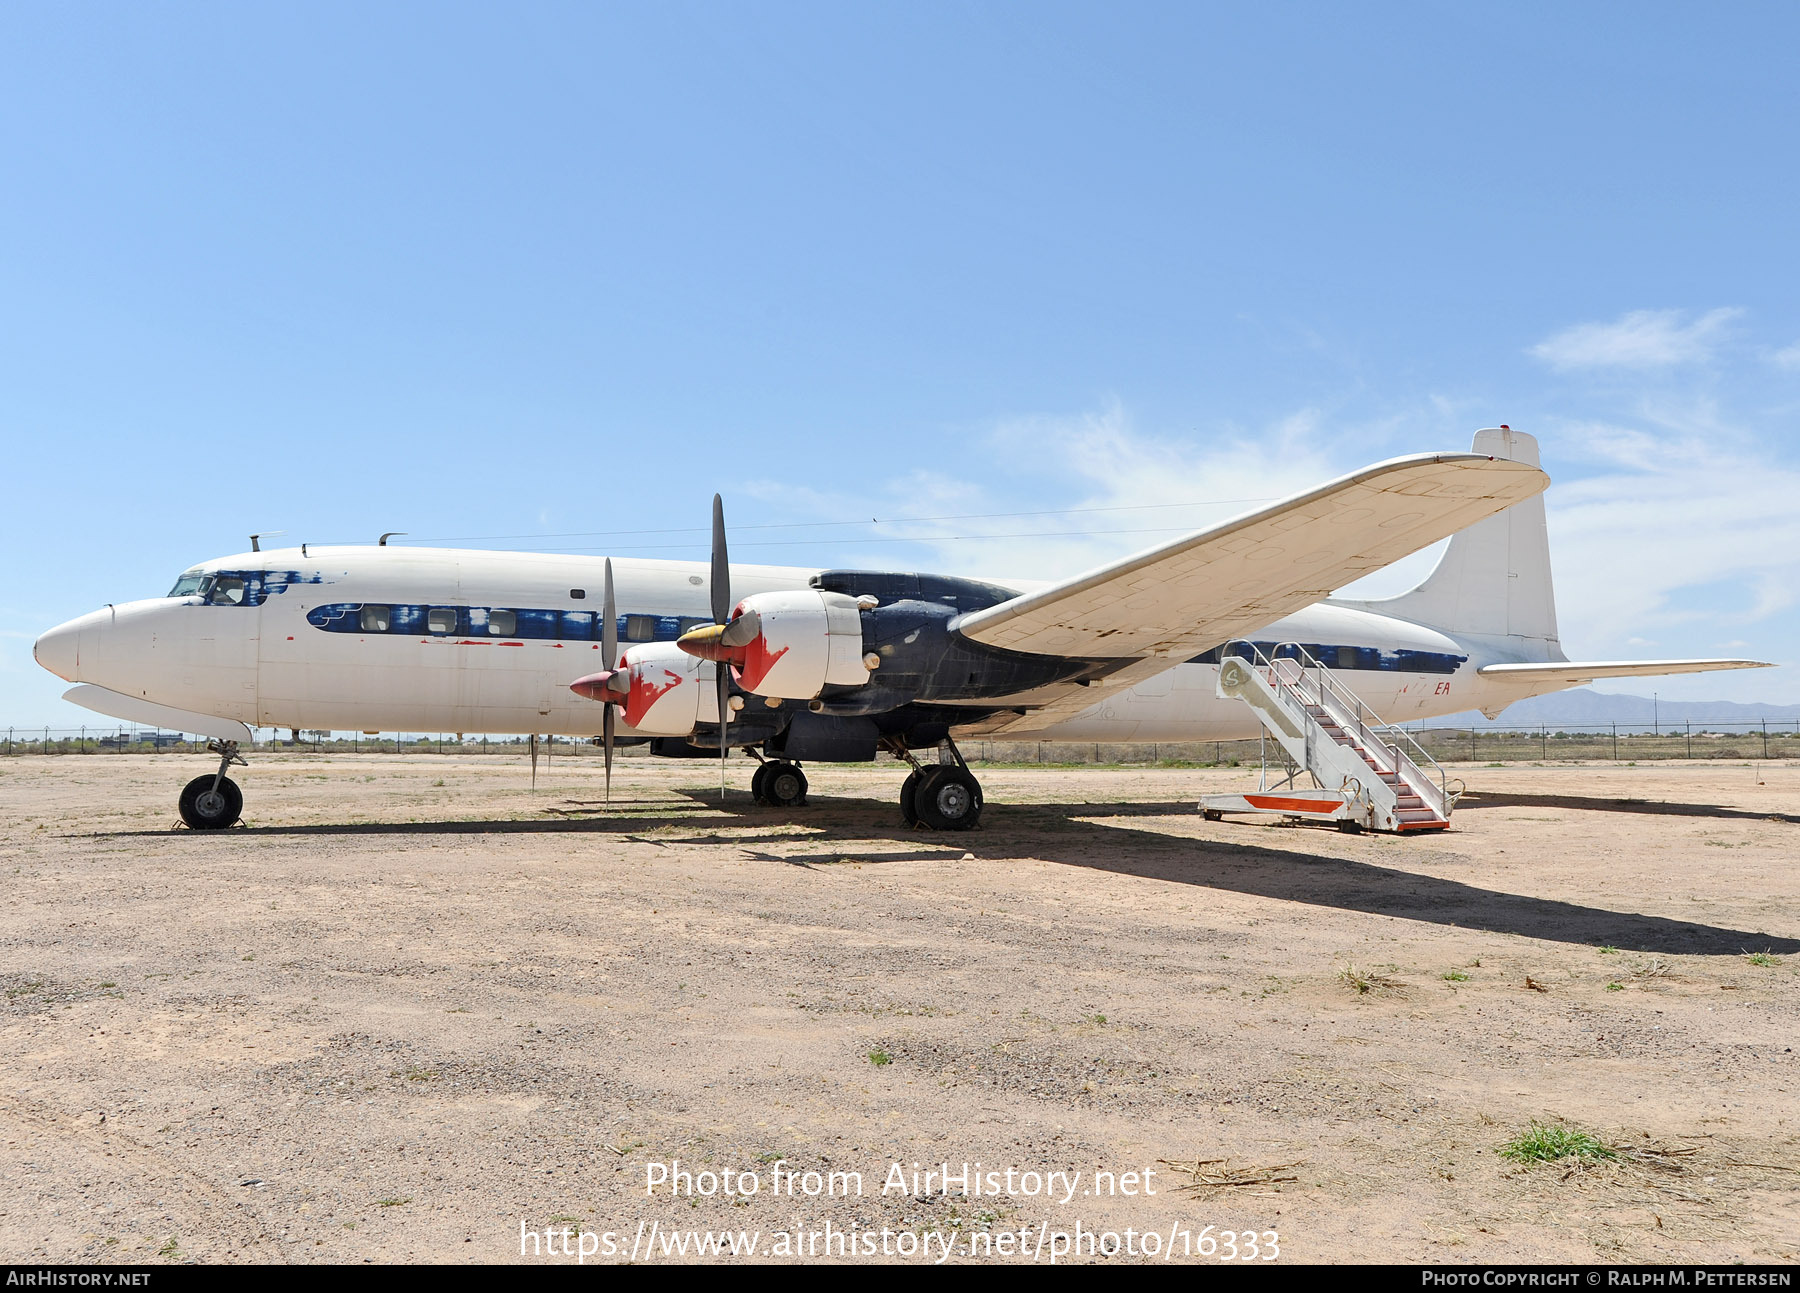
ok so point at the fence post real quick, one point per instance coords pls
(1544, 742)
(1471, 742)
(1765, 728)
(1615, 742)
(1690, 738)
(46, 740)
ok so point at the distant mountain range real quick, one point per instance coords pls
(1585, 707)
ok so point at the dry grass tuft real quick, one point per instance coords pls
(1367, 981)
(1207, 1174)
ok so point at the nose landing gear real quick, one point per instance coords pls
(213, 802)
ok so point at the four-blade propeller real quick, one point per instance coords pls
(720, 640)
(610, 684)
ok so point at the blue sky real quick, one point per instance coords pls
(552, 270)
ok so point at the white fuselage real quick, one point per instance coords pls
(414, 639)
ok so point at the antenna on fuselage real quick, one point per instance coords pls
(382, 541)
(256, 539)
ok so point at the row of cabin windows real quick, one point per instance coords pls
(1340, 657)
(443, 620)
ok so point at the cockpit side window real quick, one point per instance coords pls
(225, 590)
(188, 584)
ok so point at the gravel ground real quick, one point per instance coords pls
(414, 1006)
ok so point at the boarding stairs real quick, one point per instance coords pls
(1366, 774)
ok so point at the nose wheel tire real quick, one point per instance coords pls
(947, 798)
(211, 803)
(779, 785)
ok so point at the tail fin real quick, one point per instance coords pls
(1494, 579)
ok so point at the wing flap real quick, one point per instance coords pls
(1207, 587)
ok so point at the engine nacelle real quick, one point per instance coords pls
(668, 692)
(790, 645)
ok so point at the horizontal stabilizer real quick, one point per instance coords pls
(1572, 673)
(1207, 587)
(147, 713)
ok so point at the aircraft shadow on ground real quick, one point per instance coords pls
(1601, 804)
(1086, 835)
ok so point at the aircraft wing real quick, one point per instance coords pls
(1569, 673)
(1186, 596)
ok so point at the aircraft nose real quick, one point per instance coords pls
(57, 650)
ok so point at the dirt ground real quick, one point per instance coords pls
(414, 1006)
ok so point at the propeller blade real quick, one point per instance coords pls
(609, 654)
(609, 627)
(742, 631)
(606, 744)
(721, 565)
(723, 672)
(721, 611)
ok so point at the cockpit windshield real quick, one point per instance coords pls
(215, 587)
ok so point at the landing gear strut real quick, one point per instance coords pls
(779, 784)
(942, 796)
(213, 802)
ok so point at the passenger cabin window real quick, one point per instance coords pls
(188, 584)
(1346, 657)
(375, 619)
(579, 594)
(441, 619)
(226, 590)
(640, 628)
(687, 622)
(503, 624)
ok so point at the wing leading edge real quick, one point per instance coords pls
(1212, 585)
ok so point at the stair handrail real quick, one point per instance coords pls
(1387, 738)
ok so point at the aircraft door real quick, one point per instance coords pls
(219, 659)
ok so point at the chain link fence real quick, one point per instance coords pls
(1612, 742)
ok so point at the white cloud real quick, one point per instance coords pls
(1640, 339)
(1788, 358)
(1685, 525)
(1045, 497)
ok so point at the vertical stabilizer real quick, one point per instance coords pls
(1493, 580)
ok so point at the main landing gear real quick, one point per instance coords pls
(942, 796)
(213, 802)
(779, 784)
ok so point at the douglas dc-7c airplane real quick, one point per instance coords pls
(837, 665)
